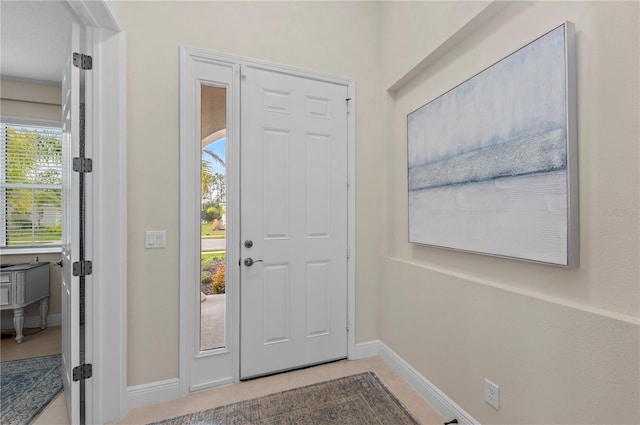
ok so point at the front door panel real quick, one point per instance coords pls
(294, 210)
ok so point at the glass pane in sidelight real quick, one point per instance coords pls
(213, 228)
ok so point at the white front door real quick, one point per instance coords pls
(71, 229)
(293, 221)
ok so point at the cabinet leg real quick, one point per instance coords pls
(18, 323)
(44, 309)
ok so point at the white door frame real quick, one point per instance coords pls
(105, 97)
(187, 194)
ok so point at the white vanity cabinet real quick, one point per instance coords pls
(21, 285)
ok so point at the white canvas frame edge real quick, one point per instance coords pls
(573, 207)
(573, 218)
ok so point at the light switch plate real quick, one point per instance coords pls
(155, 239)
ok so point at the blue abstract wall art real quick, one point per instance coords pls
(490, 162)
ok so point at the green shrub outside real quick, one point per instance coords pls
(212, 273)
(218, 284)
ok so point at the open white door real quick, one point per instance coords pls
(71, 229)
(293, 221)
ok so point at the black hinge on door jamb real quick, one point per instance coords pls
(82, 165)
(84, 62)
(82, 372)
(82, 268)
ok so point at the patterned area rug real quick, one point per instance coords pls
(27, 386)
(359, 399)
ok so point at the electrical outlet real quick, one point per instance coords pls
(492, 394)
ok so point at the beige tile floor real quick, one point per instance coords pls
(40, 343)
(55, 414)
(48, 342)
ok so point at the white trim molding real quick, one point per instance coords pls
(364, 350)
(153, 392)
(439, 400)
(107, 301)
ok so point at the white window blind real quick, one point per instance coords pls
(31, 186)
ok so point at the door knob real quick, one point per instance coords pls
(249, 261)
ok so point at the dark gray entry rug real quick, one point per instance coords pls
(27, 386)
(359, 399)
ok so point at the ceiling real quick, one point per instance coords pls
(34, 35)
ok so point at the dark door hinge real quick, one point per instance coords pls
(82, 372)
(82, 165)
(82, 268)
(84, 62)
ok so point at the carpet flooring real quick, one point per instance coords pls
(359, 399)
(27, 386)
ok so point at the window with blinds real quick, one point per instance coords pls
(31, 186)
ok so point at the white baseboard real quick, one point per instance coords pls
(31, 322)
(212, 384)
(153, 392)
(364, 350)
(439, 400)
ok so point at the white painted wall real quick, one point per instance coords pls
(411, 29)
(338, 38)
(548, 336)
